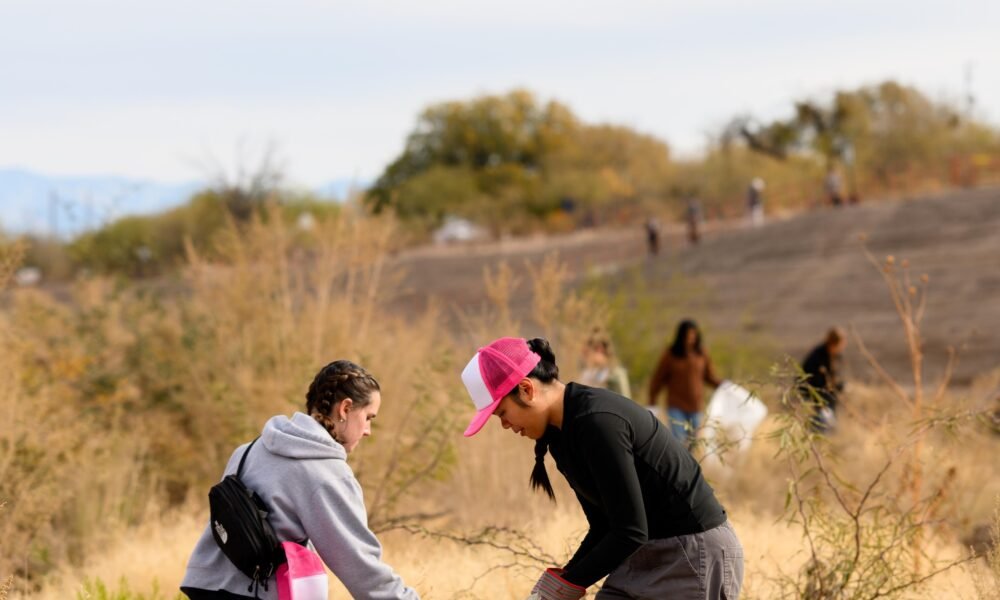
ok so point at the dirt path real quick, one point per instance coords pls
(793, 277)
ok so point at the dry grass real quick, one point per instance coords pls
(116, 429)
(489, 487)
(156, 552)
(868, 429)
(124, 400)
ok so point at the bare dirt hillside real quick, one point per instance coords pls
(790, 278)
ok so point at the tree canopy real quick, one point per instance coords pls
(512, 150)
(885, 127)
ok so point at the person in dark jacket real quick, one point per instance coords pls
(693, 216)
(683, 371)
(653, 235)
(821, 382)
(649, 508)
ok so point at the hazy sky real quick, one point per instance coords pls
(154, 88)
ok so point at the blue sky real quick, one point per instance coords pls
(159, 89)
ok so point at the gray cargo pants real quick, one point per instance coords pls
(700, 566)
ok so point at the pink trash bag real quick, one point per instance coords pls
(303, 577)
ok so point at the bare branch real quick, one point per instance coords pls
(946, 377)
(889, 380)
(504, 539)
(912, 583)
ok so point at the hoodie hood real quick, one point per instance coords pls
(300, 437)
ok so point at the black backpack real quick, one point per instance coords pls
(238, 519)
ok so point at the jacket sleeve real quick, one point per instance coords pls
(814, 369)
(604, 441)
(336, 522)
(598, 529)
(660, 377)
(711, 378)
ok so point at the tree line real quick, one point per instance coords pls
(514, 163)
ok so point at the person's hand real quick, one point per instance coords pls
(658, 412)
(551, 586)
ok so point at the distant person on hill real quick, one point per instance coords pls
(601, 368)
(656, 529)
(653, 235)
(683, 371)
(834, 187)
(821, 382)
(298, 467)
(755, 202)
(693, 217)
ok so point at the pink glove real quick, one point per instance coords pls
(553, 587)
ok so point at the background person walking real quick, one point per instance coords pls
(755, 202)
(834, 187)
(653, 236)
(693, 217)
(821, 383)
(683, 371)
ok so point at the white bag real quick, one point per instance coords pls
(303, 577)
(733, 415)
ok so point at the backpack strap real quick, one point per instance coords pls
(239, 469)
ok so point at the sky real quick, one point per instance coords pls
(174, 90)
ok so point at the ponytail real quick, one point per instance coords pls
(539, 476)
(545, 371)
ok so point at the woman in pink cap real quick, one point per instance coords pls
(656, 528)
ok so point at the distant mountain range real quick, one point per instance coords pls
(36, 203)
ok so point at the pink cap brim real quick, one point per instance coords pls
(480, 419)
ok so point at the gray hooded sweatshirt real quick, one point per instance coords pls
(302, 475)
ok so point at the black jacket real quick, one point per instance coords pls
(820, 369)
(634, 480)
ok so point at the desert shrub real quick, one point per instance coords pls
(127, 398)
(868, 528)
(140, 246)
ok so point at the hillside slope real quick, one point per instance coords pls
(791, 278)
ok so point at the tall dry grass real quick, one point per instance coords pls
(493, 471)
(125, 402)
(127, 399)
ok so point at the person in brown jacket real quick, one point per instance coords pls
(683, 371)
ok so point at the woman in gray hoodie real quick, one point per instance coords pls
(300, 471)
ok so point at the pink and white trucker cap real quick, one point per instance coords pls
(492, 374)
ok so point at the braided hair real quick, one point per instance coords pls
(336, 381)
(545, 371)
